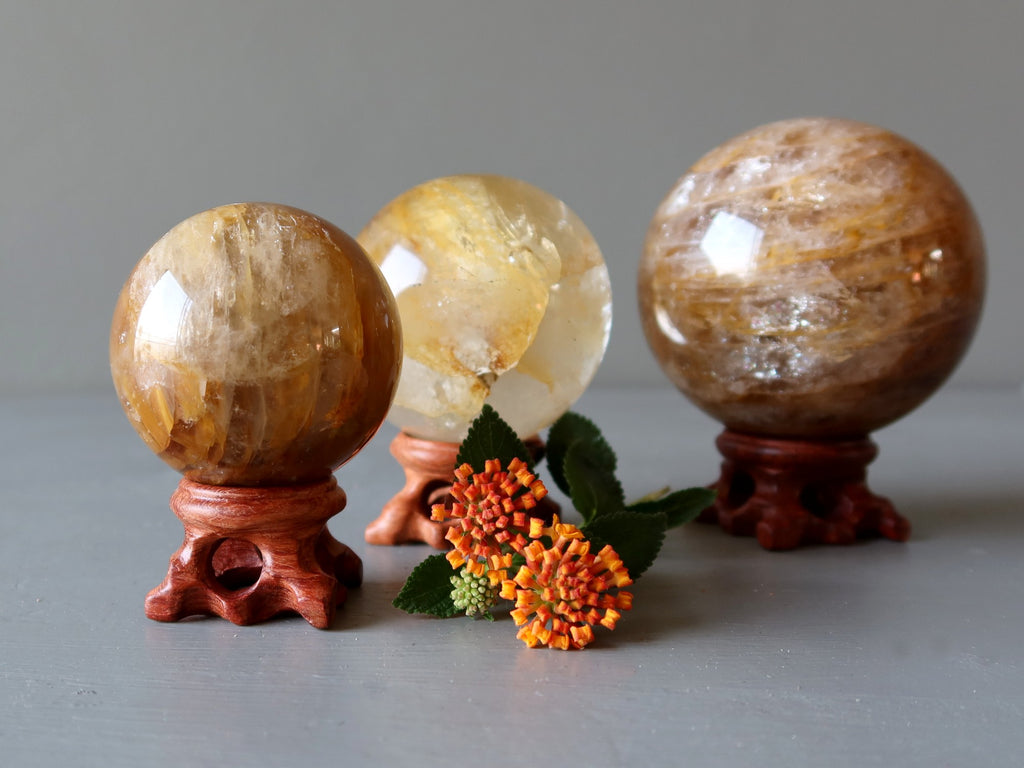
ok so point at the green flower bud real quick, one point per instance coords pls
(473, 594)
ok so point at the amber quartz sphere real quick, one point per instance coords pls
(504, 297)
(813, 278)
(255, 344)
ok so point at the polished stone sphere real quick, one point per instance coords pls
(813, 277)
(504, 299)
(255, 344)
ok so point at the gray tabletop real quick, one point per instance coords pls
(880, 653)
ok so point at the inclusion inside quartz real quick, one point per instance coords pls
(504, 298)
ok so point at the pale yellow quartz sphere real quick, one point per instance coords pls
(504, 298)
(255, 344)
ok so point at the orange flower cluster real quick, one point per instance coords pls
(562, 591)
(565, 588)
(491, 509)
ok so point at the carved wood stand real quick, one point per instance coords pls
(429, 472)
(789, 493)
(251, 553)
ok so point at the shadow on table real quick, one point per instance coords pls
(997, 513)
(714, 582)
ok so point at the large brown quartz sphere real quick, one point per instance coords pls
(815, 277)
(255, 344)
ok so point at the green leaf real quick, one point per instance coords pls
(636, 537)
(593, 487)
(490, 437)
(569, 429)
(679, 507)
(429, 589)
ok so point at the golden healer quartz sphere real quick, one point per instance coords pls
(504, 298)
(813, 277)
(255, 344)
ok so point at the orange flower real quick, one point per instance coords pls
(564, 590)
(491, 509)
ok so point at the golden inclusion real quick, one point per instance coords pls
(812, 277)
(504, 298)
(255, 344)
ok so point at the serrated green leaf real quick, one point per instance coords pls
(429, 589)
(593, 487)
(569, 429)
(490, 437)
(636, 537)
(679, 507)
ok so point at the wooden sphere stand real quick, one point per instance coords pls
(789, 493)
(251, 553)
(429, 472)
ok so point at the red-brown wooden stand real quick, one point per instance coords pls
(794, 492)
(251, 553)
(429, 472)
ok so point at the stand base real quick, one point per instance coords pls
(794, 492)
(251, 553)
(429, 472)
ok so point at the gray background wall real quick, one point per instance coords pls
(120, 119)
